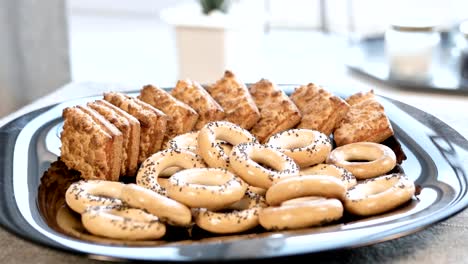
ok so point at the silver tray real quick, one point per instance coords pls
(434, 150)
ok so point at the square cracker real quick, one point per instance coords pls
(130, 129)
(235, 99)
(277, 111)
(152, 122)
(365, 121)
(320, 109)
(90, 144)
(193, 94)
(181, 117)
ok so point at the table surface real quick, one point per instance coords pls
(445, 242)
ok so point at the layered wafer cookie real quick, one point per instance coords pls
(320, 109)
(181, 117)
(130, 129)
(193, 94)
(90, 144)
(277, 111)
(236, 101)
(152, 122)
(365, 121)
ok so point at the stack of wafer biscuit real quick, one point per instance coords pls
(109, 138)
(126, 131)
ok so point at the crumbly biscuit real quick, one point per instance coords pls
(193, 94)
(152, 122)
(181, 117)
(277, 111)
(90, 144)
(365, 121)
(130, 128)
(320, 109)
(360, 97)
(234, 98)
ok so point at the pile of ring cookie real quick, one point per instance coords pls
(223, 180)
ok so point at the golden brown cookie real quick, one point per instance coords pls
(193, 94)
(90, 144)
(152, 122)
(236, 101)
(181, 117)
(277, 111)
(320, 109)
(130, 129)
(365, 121)
(360, 97)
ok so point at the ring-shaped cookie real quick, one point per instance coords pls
(250, 200)
(163, 182)
(227, 148)
(257, 190)
(245, 159)
(378, 195)
(300, 213)
(186, 141)
(82, 194)
(243, 217)
(331, 170)
(152, 167)
(305, 146)
(169, 172)
(210, 148)
(307, 185)
(211, 188)
(121, 222)
(168, 210)
(189, 142)
(364, 159)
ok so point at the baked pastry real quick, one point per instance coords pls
(152, 122)
(392, 142)
(90, 144)
(130, 129)
(181, 117)
(234, 98)
(277, 111)
(193, 94)
(359, 97)
(320, 109)
(365, 121)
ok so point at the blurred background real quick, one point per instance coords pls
(46, 44)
